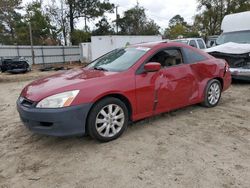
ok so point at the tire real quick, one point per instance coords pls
(212, 93)
(105, 126)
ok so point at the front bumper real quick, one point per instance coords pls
(240, 73)
(55, 122)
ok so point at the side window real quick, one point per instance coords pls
(168, 58)
(193, 43)
(201, 44)
(193, 56)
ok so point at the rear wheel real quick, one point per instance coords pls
(212, 93)
(108, 119)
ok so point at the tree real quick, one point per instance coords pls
(8, 19)
(235, 6)
(87, 9)
(59, 20)
(22, 33)
(42, 30)
(79, 36)
(179, 28)
(91, 9)
(177, 19)
(175, 31)
(103, 28)
(151, 28)
(135, 22)
(209, 20)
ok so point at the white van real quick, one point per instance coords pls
(233, 44)
(236, 28)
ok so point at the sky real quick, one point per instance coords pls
(161, 11)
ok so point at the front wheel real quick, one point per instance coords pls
(108, 119)
(212, 93)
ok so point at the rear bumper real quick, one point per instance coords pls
(240, 73)
(55, 122)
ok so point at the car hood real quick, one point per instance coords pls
(230, 48)
(75, 79)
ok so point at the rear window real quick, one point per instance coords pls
(192, 56)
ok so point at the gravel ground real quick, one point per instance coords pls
(191, 147)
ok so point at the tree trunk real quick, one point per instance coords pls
(63, 19)
(64, 35)
(71, 19)
(12, 33)
(11, 25)
(71, 16)
(85, 22)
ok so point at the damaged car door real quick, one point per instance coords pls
(178, 83)
(169, 88)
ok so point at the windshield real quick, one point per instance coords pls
(238, 37)
(118, 60)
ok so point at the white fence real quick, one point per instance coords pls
(85, 52)
(43, 54)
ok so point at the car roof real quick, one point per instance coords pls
(149, 44)
(167, 43)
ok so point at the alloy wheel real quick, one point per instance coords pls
(110, 120)
(214, 93)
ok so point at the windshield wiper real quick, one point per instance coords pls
(100, 68)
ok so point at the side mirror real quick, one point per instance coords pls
(152, 67)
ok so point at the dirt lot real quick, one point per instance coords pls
(191, 147)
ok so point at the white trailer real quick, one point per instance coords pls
(101, 45)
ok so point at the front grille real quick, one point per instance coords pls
(27, 103)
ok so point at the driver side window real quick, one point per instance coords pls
(168, 58)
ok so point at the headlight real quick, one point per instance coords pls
(59, 100)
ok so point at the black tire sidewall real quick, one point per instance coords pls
(94, 112)
(206, 101)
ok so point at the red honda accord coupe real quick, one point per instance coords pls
(127, 84)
